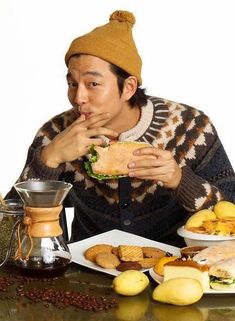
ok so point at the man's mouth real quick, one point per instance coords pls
(87, 115)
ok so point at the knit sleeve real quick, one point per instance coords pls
(36, 169)
(211, 181)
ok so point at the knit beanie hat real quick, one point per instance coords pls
(112, 42)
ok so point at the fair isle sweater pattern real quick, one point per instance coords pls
(207, 175)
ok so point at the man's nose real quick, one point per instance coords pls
(81, 96)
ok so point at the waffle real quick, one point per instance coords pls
(130, 253)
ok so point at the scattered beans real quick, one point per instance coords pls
(61, 299)
(5, 282)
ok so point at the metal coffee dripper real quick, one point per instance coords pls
(41, 249)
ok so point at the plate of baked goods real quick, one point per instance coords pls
(115, 251)
(213, 267)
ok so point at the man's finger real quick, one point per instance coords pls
(101, 131)
(159, 153)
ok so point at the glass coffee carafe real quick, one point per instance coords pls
(41, 250)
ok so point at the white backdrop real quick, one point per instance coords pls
(187, 49)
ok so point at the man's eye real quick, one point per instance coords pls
(94, 84)
(72, 85)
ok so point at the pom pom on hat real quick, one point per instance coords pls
(112, 42)
(123, 16)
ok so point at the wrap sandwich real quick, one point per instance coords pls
(222, 275)
(216, 253)
(111, 162)
(220, 259)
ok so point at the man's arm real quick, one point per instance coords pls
(212, 181)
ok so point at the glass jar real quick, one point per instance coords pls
(11, 215)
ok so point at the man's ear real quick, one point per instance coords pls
(129, 88)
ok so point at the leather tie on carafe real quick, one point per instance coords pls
(28, 222)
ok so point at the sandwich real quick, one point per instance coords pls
(222, 275)
(216, 253)
(111, 162)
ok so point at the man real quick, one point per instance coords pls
(188, 170)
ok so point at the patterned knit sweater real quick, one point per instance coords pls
(142, 206)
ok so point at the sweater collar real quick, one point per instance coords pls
(136, 132)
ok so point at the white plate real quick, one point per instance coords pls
(159, 279)
(115, 238)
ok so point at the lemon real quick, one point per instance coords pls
(199, 217)
(224, 209)
(178, 291)
(130, 282)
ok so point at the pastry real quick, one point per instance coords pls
(124, 266)
(130, 253)
(107, 260)
(92, 251)
(149, 251)
(148, 262)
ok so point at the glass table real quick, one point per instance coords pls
(16, 306)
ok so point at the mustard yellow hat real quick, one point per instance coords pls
(112, 42)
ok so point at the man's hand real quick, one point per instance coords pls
(75, 140)
(161, 167)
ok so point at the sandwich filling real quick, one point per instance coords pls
(222, 274)
(93, 157)
(214, 280)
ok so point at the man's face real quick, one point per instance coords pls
(93, 89)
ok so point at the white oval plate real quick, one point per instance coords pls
(159, 279)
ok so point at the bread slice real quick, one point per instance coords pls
(113, 159)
